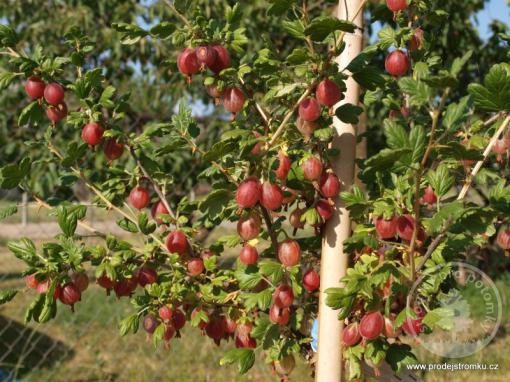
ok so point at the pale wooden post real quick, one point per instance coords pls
(334, 261)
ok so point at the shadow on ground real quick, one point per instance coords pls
(23, 349)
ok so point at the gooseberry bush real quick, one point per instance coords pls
(270, 175)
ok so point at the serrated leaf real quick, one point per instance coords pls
(7, 295)
(320, 27)
(349, 113)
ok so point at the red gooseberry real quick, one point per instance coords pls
(139, 197)
(92, 134)
(289, 252)
(283, 296)
(295, 218)
(105, 282)
(222, 59)
(31, 281)
(306, 128)
(429, 196)
(165, 313)
(233, 100)
(309, 109)
(249, 255)
(147, 276)
(397, 63)
(271, 196)
(70, 294)
(312, 168)
(54, 94)
(34, 87)
(311, 280)
(328, 93)
(206, 55)
(125, 287)
(195, 267)
(386, 228)
(396, 5)
(248, 226)
(279, 315)
(178, 319)
(416, 41)
(56, 113)
(248, 192)
(371, 325)
(176, 242)
(284, 164)
(351, 335)
(150, 323)
(187, 62)
(81, 280)
(324, 209)
(329, 185)
(158, 209)
(503, 238)
(246, 342)
(112, 149)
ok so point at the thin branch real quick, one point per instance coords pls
(162, 197)
(417, 181)
(439, 238)
(269, 224)
(179, 14)
(289, 114)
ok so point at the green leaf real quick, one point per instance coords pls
(5, 212)
(322, 26)
(419, 91)
(129, 325)
(215, 204)
(163, 30)
(6, 79)
(494, 95)
(23, 249)
(418, 142)
(294, 28)
(348, 113)
(130, 33)
(396, 135)
(384, 160)
(387, 37)
(105, 99)
(441, 180)
(244, 357)
(127, 225)
(67, 220)
(7, 36)
(7, 295)
(440, 318)
(456, 114)
(279, 7)
(31, 113)
(399, 355)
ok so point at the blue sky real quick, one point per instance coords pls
(495, 9)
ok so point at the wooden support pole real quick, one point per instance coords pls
(334, 261)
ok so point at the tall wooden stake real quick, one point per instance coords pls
(334, 261)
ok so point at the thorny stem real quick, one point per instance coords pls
(101, 196)
(179, 14)
(269, 224)
(331, 53)
(417, 180)
(439, 238)
(161, 195)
